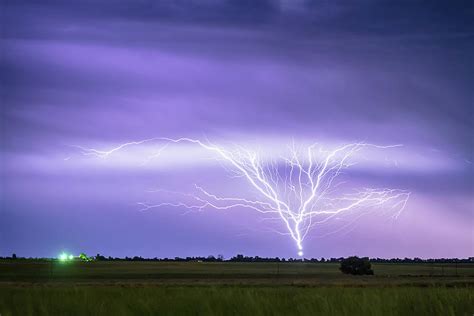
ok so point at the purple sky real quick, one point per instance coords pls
(258, 71)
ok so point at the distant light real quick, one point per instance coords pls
(300, 253)
(63, 257)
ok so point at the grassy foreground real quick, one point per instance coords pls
(36, 287)
(234, 300)
(228, 273)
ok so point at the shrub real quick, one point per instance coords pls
(356, 266)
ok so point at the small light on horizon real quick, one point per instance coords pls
(65, 257)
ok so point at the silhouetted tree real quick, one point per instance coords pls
(356, 266)
(14, 256)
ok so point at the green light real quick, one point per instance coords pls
(63, 257)
(71, 257)
(84, 257)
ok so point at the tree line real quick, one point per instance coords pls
(242, 258)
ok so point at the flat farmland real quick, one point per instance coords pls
(30, 271)
(29, 287)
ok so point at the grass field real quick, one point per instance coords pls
(192, 288)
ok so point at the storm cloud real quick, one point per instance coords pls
(103, 73)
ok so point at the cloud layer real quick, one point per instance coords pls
(100, 74)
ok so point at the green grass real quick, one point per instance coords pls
(29, 287)
(230, 273)
(234, 300)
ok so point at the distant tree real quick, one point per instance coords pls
(14, 256)
(356, 266)
(323, 260)
(100, 257)
(211, 258)
(220, 257)
(238, 258)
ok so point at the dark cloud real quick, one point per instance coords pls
(364, 17)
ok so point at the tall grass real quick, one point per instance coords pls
(234, 300)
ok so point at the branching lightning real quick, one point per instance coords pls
(301, 188)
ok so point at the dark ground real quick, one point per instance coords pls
(29, 287)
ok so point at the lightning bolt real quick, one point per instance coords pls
(300, 188)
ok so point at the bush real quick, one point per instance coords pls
(356, 266)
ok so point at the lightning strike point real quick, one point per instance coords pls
(301, 192)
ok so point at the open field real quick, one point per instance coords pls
(198, 288)
(317, 274)
(235, 300)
